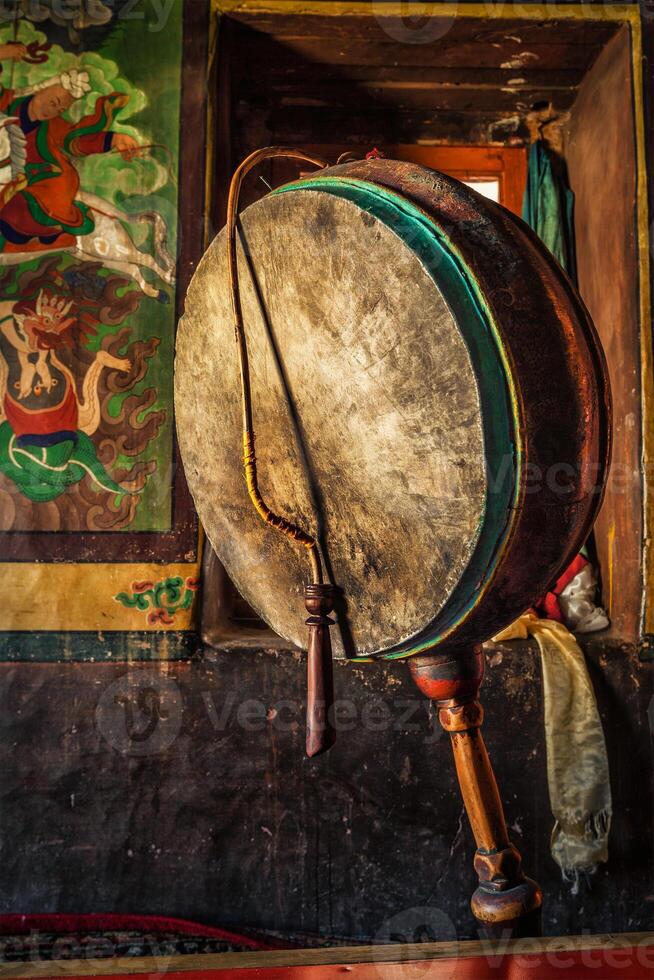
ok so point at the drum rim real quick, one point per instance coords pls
(575, 350)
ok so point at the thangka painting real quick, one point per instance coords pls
(96, 528)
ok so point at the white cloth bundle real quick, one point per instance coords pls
(577, 763)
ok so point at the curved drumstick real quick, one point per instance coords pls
(319, 595)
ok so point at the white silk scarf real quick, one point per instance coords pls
(577, 763)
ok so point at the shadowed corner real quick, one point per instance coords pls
(343, 621)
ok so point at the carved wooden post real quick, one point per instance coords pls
(506, 901)
(319, 602)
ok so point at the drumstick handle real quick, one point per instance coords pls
(318, 597)
(319, 601)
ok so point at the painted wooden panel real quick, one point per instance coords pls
(96, 526)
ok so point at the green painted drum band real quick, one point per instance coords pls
(498, 398)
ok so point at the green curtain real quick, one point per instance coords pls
(548, 205)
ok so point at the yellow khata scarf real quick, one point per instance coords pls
(577, 764)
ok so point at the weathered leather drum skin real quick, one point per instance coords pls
(395, 316)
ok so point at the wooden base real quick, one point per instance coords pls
(506, 901)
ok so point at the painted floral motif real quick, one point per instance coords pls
(163, 599)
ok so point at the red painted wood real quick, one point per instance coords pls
(629, 963)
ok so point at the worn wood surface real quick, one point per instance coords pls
(96, 820)
(506, 164)
(630, 953)
(464, 79)
(602, 173)
(647, 354)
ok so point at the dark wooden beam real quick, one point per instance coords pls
(509, 33)
(464, 98)
(292, 74)
(445, 53)
(381, 125)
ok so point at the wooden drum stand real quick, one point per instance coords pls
(506, 902)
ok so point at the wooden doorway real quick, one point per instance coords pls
(335, 78)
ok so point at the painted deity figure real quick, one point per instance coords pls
(39, 206)
(44, 424)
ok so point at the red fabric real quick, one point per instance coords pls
(17, 214)
(90, 143)
(627, 962)
(55, 194)
(548, 607)
(15, 924)
(62, 417)
(573, 569)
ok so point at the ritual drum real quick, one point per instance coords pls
(429, 400)
(431, 412)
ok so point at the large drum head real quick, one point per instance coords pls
(386, 417)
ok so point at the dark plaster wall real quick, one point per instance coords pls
(206, 808)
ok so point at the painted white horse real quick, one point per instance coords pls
(109, 242)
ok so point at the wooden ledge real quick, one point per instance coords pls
(203, 964)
